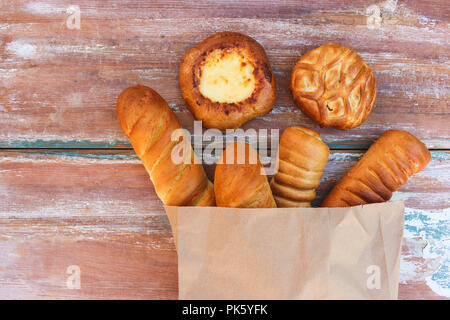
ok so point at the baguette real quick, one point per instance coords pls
(148, 122)
(241, 182)
(302, 156)
(386, 166)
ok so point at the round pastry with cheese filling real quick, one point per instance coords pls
(334, 86)
(227, 80)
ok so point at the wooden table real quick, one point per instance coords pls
(72, 191)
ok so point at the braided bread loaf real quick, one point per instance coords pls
(387, 165)
(302, 156)
(148, 122)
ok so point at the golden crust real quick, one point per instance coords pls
(387, 165)
(252, 80)
(334, 86)
(302, 157)
(239, 180)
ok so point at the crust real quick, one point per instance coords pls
(333, 86)
(223, 115)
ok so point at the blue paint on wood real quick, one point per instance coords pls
(340, 156)
(106, 144)
(350, 144)
(68, 154)
(440, 156)
(434, 227)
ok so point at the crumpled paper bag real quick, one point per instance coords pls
(288, 253)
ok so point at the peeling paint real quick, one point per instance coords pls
(70, 143)
(434, 228)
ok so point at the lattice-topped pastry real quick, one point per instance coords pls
(334, 86)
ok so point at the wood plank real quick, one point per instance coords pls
(58, 86)
(98, 210)
(286, 9)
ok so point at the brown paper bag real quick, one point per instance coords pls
(288, 253)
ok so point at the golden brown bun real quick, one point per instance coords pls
(334, 86)
(148, 122)
(302, 156)
(239, 181)
(387, 165)
(227, 80)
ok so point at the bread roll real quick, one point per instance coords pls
(387, 165)
(227, 80)
(302, 156)
(334, 86)
(240, 180)
(148, 122)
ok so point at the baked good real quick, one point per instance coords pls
(240, 179)
(334, 86)
(148, 122)
(387, 165)
(302, 156)
(227, 80)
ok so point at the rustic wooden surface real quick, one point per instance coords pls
(72, 192)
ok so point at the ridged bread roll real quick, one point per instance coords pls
(148, 122)
(386, 166)
(302, 156)
(333, 85)
(240, 179)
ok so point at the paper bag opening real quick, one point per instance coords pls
(288, 253)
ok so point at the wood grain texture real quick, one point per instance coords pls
(58, 86)
(53, 214)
